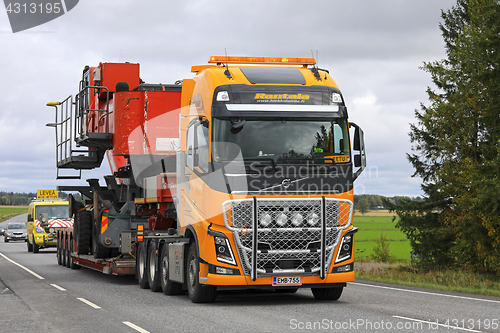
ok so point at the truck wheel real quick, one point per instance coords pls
(153, 275)
(82, 228)
(198, 293)
(168, 287)
(141, 266)
(328, 294)
(36, 248)
(30, 246)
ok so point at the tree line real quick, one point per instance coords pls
(365, 202)
(21, 199)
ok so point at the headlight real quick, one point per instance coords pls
(39, 229)
(312, 219)
(223, 96)
(223, 250)
(297, 219)
(281, 220)
(345, 250)
(265, 220)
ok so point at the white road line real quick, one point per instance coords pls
(426, 292)
(89, 303)
(25, 268)
(57, 287)
(433, 324)
(135, 327)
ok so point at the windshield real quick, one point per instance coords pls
(283, 140)
(16, 226)
(54, 211)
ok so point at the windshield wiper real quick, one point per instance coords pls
(258, 159)
(311, 159)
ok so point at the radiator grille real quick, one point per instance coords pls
(286, 236)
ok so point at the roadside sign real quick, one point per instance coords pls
(47, 194)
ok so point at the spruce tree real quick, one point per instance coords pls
(456, 141)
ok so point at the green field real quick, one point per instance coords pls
(6, 212)
(370, 229)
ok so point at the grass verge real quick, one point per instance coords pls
(446, 280)
(6, 212)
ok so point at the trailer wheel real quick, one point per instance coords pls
(198, 293)
(58, 247)
(62, 252)
(82, 228)
(99, 250)
(141, 266)
(30, 246)
(72, 264)
(327, 294)
(168, 287)
(153, 275)
(36, 248)
(68, 253)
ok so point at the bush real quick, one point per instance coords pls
(381, 250)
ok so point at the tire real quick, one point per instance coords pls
(198, 293)
(168, 287)
(59, 259)
(68, 253)
(141, 269)
(82, 229)
(99, 250)
(152, 266)
(5, 240)
(36, 248)
(286, 290)
(327, 294)
(72, 264)
(62, 251)
(30, 246)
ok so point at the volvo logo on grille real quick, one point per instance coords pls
(286, 183)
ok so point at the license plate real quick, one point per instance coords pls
(287, 281)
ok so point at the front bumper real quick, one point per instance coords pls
(43, 240)
(266, 282)
(14, 238)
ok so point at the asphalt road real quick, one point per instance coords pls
(39, 296)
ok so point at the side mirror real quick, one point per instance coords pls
(357, 141)
(357, 161)
(358, 145)
(30, 218)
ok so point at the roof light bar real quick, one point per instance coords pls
(261, 60)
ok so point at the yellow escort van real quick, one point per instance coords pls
(46, 214)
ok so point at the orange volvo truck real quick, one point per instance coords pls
(241, 177)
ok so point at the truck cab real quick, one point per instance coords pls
(265, 177)
(46, 214)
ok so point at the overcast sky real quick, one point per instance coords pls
(373, 50)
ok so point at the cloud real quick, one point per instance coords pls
(372, 49)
